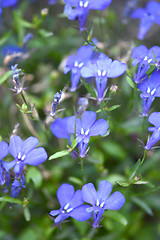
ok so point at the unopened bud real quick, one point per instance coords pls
(114, 88)
(44, 12)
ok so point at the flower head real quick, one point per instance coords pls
(81, 9)
(154, 119)
(148, 17)
(71, 205)
(24, 152)
(102, 69)
(100, 200)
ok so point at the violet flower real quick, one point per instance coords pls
(81, 9)
(154, 119)
(4, 150)
(76, 62)
(17, 186)
(24, 152)
(86, 127)
(148, 16)
(100, 200)
(151, 89)
(71, 205)
(102, 69)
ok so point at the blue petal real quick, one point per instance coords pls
(29, 144)
(153, 139)
(97, 218)
(138, 13)
(4, 150)
(36, 156)
(15, 145)
(61, 217)
(145, 25)
(115, 201)
(72, 123)
(101, 83)
(9, 3)
(80, 213)
(76, 200)
(75, 80)
(87, 119)
(138, 54)
(73, 3)
(89, 193)
(65, 194)
(59, 128)
(100, 127)
(18, 169)
(99, 5)
(116, 69)
(82, 148)
(153, 7)
(54, 212)
(105, 189)
(8, 165)
(154, 119)
(89, 70)
(84, 53)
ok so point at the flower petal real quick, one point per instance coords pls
(115, 201)
(54, 212)
(153, 139)
(4, 150)
(15, 145)
(8, 165)
(116, 69)
(87, 119)
(59, 128)
(80, 213)
(105, 189)
(100, 127)
(76, 200)
(65, 194)
(36, 156)
(154, 119)
(29, 144)
(89, 193)
(99, 5)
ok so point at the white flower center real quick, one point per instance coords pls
(153, 91)
(81, 4)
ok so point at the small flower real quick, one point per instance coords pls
(17, 186)
(76, 62)
(85, 128)
(81, 9)
(82, 105)
(151, 89)
(102, 69)
(18, 87)
(154, 119)
(71, 205)
(56, 99)
(4, 150)
(24, 152)
(101, 200)
(148, 17)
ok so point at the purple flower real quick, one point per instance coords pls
(51, 2)
(81, 9)
(4, 150)
(86, 127)
(148, 17)
(17, 186)
(151, 89)
(101, 200)
(76, 62)
(102, 69)
(71, 205)
(24, 152)
(60, 128)
(154, 119)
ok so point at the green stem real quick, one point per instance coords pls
(82, 169)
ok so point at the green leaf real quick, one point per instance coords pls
(116, 216)
(59, 154)
(27, 214)
(142, 204)
(74, 144)
(4, 38)
(11, 200)
(89, 88)
(113, 108)
(123, 184)
(135, 169)
(75, 180)
(130, 82)
(44, 33)
(5, 77)
(35, 175)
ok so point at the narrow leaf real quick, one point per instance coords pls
(89, 88)
(123, 184)
(135, 169)
(116, 216)
(75, 180)
(142, 204)
(11, 200)
(59, 154)
(27, 214)
(4, 77)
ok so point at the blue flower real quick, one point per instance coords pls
(5, 4)
(24, 152)
(81, 9)
(102, 69)
(148, 17)
(101, 200)
(4, 150)
(76, 62)
(151, 89)
(154, 119)
(71, 205)
(86, 127)
(17, 186)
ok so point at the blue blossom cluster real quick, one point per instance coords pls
(72, 203)
(24, 152)
(149, 85)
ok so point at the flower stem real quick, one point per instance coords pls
(82, 169)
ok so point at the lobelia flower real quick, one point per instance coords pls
(102, 69)
(151, 89)
(100, 200)
(4, 150)
(56, 99)
(76, 62)
(86, 127)
(81, 9)
(129, 7)
(24, 152)
(154, 119)
(148, 17)
(17, 186)
(71, 205)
